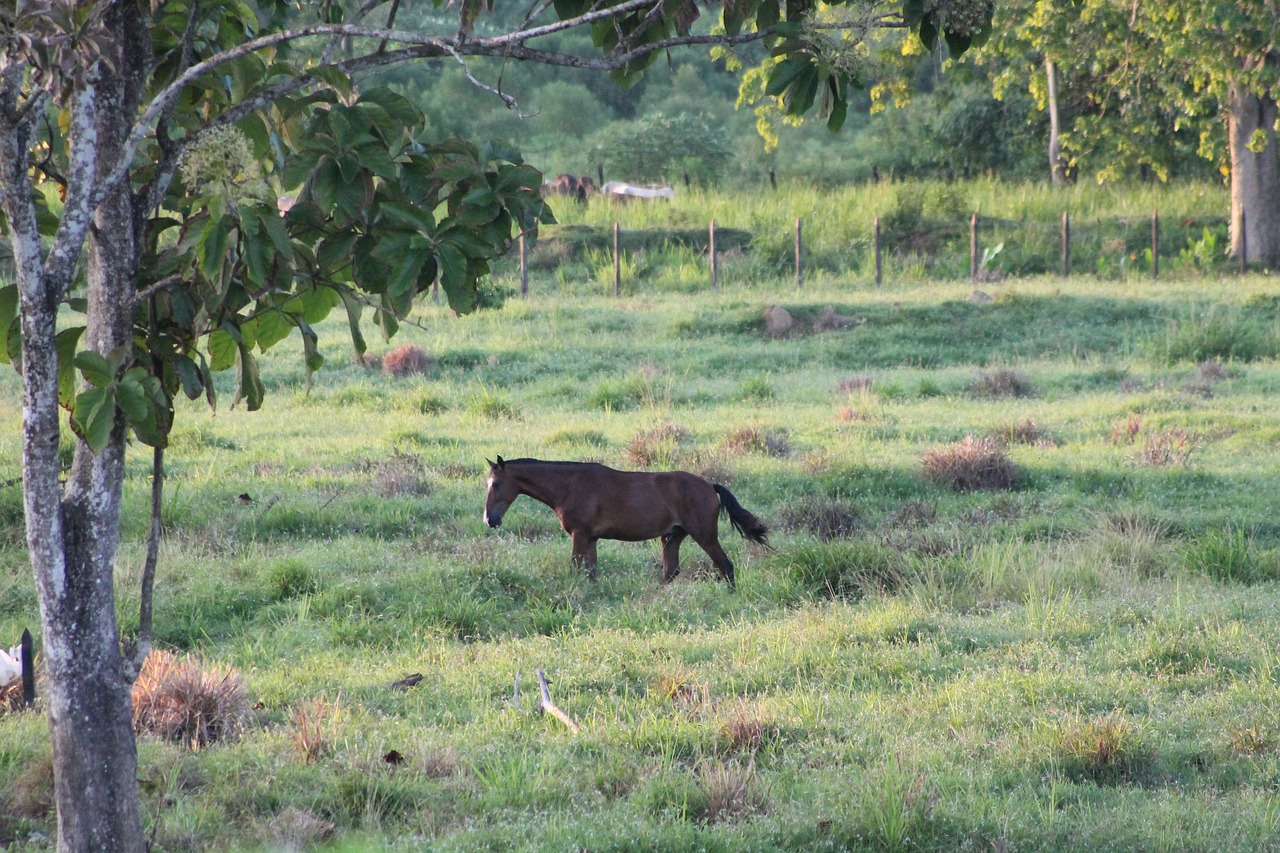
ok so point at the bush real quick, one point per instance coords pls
(407, 360)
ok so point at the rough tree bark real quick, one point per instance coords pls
(1255, 176)
(72, 530)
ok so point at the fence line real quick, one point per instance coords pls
(977, 260)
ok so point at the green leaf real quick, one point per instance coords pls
(93, 416)
(340, 82)
(133, 400)
(354, 309)
(222, 350)
(66, 343)
(96, 369)
(272, 327)
(248, 381)
(190, 377)
(8, 314)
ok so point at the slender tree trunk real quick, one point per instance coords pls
(73, 530)
(1057, 168)
(1255, 176)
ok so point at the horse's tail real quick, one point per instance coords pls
(743, 521)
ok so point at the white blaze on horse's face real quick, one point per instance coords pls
(492, 511)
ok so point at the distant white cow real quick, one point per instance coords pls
(620, 191)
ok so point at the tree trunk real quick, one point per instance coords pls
(1057, 168)
(1255, 177)
(73, 532)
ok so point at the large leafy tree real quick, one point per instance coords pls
(143, 148)
(1146, 84)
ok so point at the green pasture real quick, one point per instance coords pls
(1089, 660)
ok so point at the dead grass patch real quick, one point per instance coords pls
(179, 699)
(1026, 432)
(730, 791)
(747, 730)
(298, 829)
(826, 519)
(1125, 431)
(313, 724)
(756, 440)
(407, 360)
(1167, 447)
(969, 464)
(1000, 384)
(657, 447)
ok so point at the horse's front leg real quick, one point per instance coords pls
(584, 553)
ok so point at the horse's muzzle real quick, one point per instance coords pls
(494, 521)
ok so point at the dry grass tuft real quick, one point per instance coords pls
(298, 829)
(730, 790)
(1167, 447)
(918, 513)
(1102, 749)
(755, 440)
(1126, 431)
(748, 730)
(658, 447)
(407, 360)
(398, 475)
(1000, 384)
(860, 384)
(683, 691)
(973, 463)
(30, 795)
(313, 725)
(825, 518)
(180, 700)
(1026, 432)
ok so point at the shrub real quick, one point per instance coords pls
(407, 360)
(974, 463)
(179, 700)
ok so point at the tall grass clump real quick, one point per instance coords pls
(179, 699)
(1218, 332)
(972, 463)
(1230, 555)
(848, 570)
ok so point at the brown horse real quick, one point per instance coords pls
(596, 502)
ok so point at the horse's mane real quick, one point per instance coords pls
(529, 461)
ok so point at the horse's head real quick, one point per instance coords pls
(501, 492)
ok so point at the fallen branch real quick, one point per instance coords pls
(549, 707)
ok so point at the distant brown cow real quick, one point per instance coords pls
(570, 185)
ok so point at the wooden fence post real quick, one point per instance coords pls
(973, 247)
(524, 268)
(1155, 244)
(875, 241)
(711, 255)
(1066, 244)
(799, 245)
(617, 263)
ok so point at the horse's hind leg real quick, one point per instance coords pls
(671, 553)
(711, 544)
(584, 554)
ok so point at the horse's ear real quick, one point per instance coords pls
(501, 463)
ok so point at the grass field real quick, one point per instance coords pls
(1086, 657)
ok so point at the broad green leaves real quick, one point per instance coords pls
(132, 395)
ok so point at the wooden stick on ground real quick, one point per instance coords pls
(549, 707)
